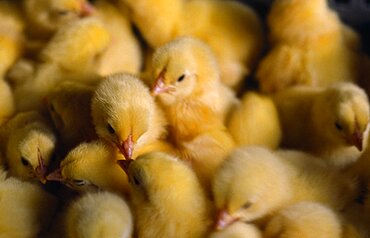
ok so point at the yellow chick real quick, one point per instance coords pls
(167, 199)
(26, 209)
(91, 166)
(28, 143)
(254, 183)
(123, 53)
(309, 44)
(126, 115)
(305, 220)
(97, 215)
(218, 23)
(238, 230)
(60, 61)
(73, 121)
(255, 121)
(6, 102)
(330, 122)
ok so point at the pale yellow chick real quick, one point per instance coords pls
(310, 47)
(26, 209)
(97, 215)
(255, 121)
(329, 122)
(304, 220)
(167, 198)
(73, 121)
(123, 53)
(238, 230)
(218, 23)
(28, 144)
(126, 115)
(6, 102)
(92, 166)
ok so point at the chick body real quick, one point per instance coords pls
(7, 107)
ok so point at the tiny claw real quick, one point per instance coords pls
(125, 164)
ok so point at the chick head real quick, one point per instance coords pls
(250, 183)
(123, 112)
(90, 167)
(29, 152)
(342, 111)
(183, 67)
(49, 15)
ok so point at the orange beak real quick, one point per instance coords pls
(160, 86)
(86, 9)
(56, 175)
(41, 169)
(356, 139)
(224, 219)
(127, 147)
(125, 164)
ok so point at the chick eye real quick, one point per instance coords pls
(110, 129)
(136, 181)
(247, 205)
(79, 182)
(182, 77)
(338, 126)
(62, 12)
(24, 161)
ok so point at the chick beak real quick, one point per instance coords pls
(41, 169)
(86, 9)
(224, 220)
(160, 86)
(356, 139)
(56, 175)
(127, 147)
(125, 164)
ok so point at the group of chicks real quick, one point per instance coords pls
(110, 132)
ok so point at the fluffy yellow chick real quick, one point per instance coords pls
(91, 166)
(306, 220)
(123, 53)
(254, 182)
(97, 215)
(28, 143)
(310, 47)
(60, 62)
(167, 199)
(44, 17)
(26, 209)
(73, 121)
(218, 23)
(126, 115)
(6, 102)
(238, 230)
(255, 121)
(330, 122)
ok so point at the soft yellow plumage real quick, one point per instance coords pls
(98, 215)
(238, 230)
(305, 220)
(330, 122)
(92, 166)
(218, 23)
(126, 115)
(167, 199)
(28, 143)
(6, 102)
(255, 121)
(26, 209)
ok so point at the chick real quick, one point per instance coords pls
(6, 102)
(318, 55)
(329, 122)
(254, 183)
(238, 230)
(73, 121)
(123, 53)
(167, 199)
(28, 143)
(91, 166)
(305, 219)
(246, 119)
(218, 23)
(26, 209)
(97, 215)
(126, 115)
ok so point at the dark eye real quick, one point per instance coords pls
(136, 181)
(182, 77)
(338, 126)
(79, 182)
(110, 129)
(25, 162)
(63, 12)
(247, 205)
